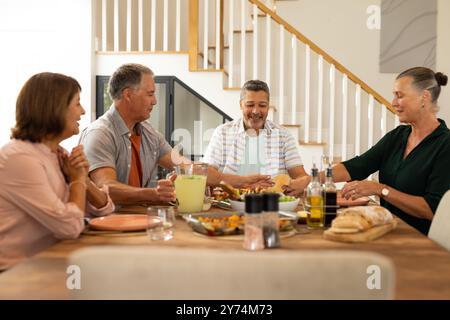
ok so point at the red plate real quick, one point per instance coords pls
(124, 222)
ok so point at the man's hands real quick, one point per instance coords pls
(252, 181)
(297, 186)
(165, 189)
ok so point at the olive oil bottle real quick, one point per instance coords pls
(314, 201)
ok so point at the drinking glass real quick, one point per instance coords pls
(161, 222)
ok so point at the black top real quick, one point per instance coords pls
(270, 201)
(424, 172)
(253, 203)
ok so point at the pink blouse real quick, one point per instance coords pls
(34, 207)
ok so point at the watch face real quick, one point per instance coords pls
(385, 192)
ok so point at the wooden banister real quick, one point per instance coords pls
(326, 56)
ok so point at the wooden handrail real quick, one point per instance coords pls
(326, 56)
(193, 35)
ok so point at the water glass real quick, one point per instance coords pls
(161, 222)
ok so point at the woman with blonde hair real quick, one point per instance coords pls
(44, 191)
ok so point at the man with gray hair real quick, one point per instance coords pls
(123, 148)
(253, 144)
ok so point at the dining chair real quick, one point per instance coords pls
(440, 226)
(208, 274)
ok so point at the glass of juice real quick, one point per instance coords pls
(190, 186)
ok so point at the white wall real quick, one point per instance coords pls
(207, 84)
(339, 28)
(443, 55)
(44, 35)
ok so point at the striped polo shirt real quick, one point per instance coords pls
(226, 148)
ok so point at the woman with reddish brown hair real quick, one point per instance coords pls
(45, 191)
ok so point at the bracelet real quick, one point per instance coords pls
(76, 181)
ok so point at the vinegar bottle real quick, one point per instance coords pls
(329, 189)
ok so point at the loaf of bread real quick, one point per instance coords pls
(359, 219)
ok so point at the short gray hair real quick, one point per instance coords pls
(254, 85)
(126, 76)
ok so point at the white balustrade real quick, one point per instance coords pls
(104, 25)
(255, 41)
(307, 91)
(320, 99)
(344, 117)
(166, 25)
(153, 27)
(294, 80)
(370, 118)
(281, 79)
(243, 42)
(205, 34)
(140, 26)
(178, 26)
(268, 48)
(331, 124)
(230, 43)
(116, 25)
(218, 62)
(358, 120)
(128, 33)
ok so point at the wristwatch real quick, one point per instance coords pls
(385, 192)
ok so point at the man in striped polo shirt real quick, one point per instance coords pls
(252, 144)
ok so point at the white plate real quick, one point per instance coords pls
(282, 206)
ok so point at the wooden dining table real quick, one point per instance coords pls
(422, 267)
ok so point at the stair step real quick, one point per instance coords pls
(232, 88)
(212, 64)
(259, 15)
(312, 143)
(246, 31)
(291, 125)
(209, 70)
(214, 47)
(110, 52)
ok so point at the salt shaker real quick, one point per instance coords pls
(271, 231)
(253, 237)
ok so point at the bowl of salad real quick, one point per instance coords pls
(285, 203)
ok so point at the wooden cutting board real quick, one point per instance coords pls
(368, 235)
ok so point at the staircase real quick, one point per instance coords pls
(216, 45)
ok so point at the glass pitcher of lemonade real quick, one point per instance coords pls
(190, 186)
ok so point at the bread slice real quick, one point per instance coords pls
(350, 222)
(344, 230)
